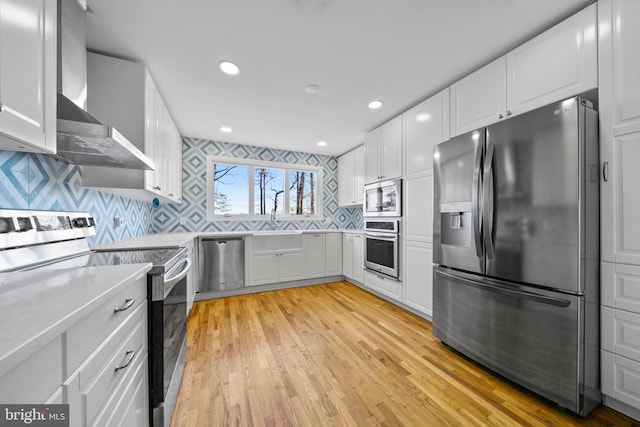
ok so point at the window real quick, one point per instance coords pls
(239, 189)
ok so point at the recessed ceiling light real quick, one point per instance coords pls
(375, 105)
(226, 129)
(312, 89)
(229, 67)
(322, 143)
(423, 117)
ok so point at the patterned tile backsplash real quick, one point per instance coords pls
(39, 182)
(194, 186)
(36, 181)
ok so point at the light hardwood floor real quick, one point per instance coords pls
(336, 355)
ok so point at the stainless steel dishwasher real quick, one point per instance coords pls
(221, 264)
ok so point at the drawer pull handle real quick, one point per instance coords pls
(130, 355)
(126, 306)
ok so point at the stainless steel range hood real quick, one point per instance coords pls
(82, 139)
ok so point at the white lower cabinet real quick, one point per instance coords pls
(98, 366)
(92, 389)
(353, 256)
(37, 379)
(418, 278)
(620, 335)
(333, 254)
(383, 284)
(620, 378)
(273, 267)
(315, 255)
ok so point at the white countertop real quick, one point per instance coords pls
(38, 305)
(178, 240)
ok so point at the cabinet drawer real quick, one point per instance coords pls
(384, 285)
(620, 378)
(620, 286)
(88, 334)
(94, 384)
(131, 350)
(129, 404)
(620, 332)
(36, 379)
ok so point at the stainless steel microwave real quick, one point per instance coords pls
(383, 198)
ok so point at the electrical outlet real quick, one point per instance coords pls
(183, 220)
(117, 222)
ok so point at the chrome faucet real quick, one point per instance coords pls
(272, 224)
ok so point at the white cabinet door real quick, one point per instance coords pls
(383, 151)
(390, 149)
(347, 255)
(418, 277)
(418, 218)
(333, 254)
(372, 156)
(557, 64)
(291, 266)
(358, 257)
(620, 286)
(263, 268)
(314, 250)
(480, 98)
(351, 177)
(358, 175)
(28, 75)
(425, 125)
(345, 179)
(621, 378)
(619, 66)
(620, 201)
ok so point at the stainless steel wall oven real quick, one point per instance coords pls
(381, 246)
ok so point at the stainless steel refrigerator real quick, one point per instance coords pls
(516, 243)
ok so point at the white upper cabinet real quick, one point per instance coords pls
(145, 122)
(619, 68)
(351, 177)
(480, 98)
(28, 75)
(557, 64)
(383, 151)
(425, 125)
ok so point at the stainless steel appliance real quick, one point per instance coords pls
(221, 264)
(516, 240)
(383, 199)
(381, 246)
(81, 138)
(53, 239)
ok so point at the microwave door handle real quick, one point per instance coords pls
(476, 201)
(487, 209)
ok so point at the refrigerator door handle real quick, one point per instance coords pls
(487, 209)
(476, 212)
(480, 283)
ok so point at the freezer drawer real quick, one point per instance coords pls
(221, 264)
(528, 335)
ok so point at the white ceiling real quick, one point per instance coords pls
(397, 51)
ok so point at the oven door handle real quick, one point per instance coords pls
(382, 236)
(170, 280)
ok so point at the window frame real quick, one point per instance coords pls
(212, 160)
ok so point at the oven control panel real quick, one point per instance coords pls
(23, 227)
